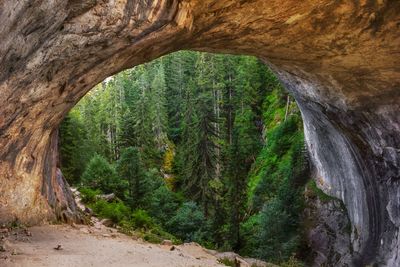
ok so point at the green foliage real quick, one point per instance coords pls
(219, 130)
(276, 183)
(227, 262)
(188, 224)
(314, 190)
(163, 204)
(276, 161)
(99, 174)
(115, 211)
(157, 235)
(249, 230)
(141, 219)
(75, 151)
(130, 168)
(278, 239)
(89, 195)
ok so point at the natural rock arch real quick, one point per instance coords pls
(340, 59)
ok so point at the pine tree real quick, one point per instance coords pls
(131, 169)
(158, 114)
(245, 147)
(74, 150)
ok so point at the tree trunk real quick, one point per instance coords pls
(339, 60)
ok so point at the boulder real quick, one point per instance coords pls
(107, 222)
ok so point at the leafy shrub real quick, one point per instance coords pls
(188, 223)
(99, 174)
(157, 234)
(249, 230)
(115, 211)
(227, 262)
(279, 237)
(163, 204)
(152, 238)
(89, 195)
(141, 219)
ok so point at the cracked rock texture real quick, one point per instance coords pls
(340, 59)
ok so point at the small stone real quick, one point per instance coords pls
(84, 230)
(107, 222)
(2, 248)
(14, 252)
(172, 248)
(28, 233)
(88, 211)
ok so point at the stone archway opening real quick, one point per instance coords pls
(338, 59)
(148, 119)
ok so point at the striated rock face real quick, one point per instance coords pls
(340, 59)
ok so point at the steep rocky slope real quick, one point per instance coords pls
(338, 58)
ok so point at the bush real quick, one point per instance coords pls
(101, 175)
(89, 195)
(140, 219)
(144, 226)
(163, 204)
(249, 231)
(152, 238)
(227, 262)
(279, 237)
(115, 211)
(188, 224)
(157, 235)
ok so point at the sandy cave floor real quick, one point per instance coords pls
(83, 246)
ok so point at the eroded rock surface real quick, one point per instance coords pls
(340, 59)
(328, 231)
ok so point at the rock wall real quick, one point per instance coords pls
(356, 158)
(328, 230)
(338, 58)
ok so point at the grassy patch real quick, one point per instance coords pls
(227, 262)
(316, 192)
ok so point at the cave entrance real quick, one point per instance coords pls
(193, 147)
(337, 58)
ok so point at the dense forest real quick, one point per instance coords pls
(196, 147)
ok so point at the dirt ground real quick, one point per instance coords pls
(84, 246)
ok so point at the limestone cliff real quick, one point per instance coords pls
(340, 59)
